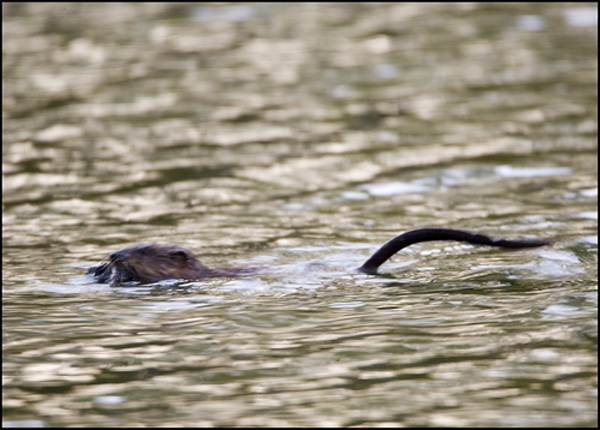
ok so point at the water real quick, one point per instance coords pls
(300, 137)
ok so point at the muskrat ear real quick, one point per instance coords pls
(179, 256)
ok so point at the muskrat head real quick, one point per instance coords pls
(152, 263)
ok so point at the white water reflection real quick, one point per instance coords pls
(531, 22)
(582, 17)
(560, 310)
(529, 172)
(393, 188)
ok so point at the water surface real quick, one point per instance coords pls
(300, 137)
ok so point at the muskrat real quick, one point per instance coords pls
(148, 263)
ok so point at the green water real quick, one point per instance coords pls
(300, 137)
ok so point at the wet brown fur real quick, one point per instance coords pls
(148, 263)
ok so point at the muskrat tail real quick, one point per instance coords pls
(432, 233)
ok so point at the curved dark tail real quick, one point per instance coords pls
(428, 234)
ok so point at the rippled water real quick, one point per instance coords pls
(300, 137)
